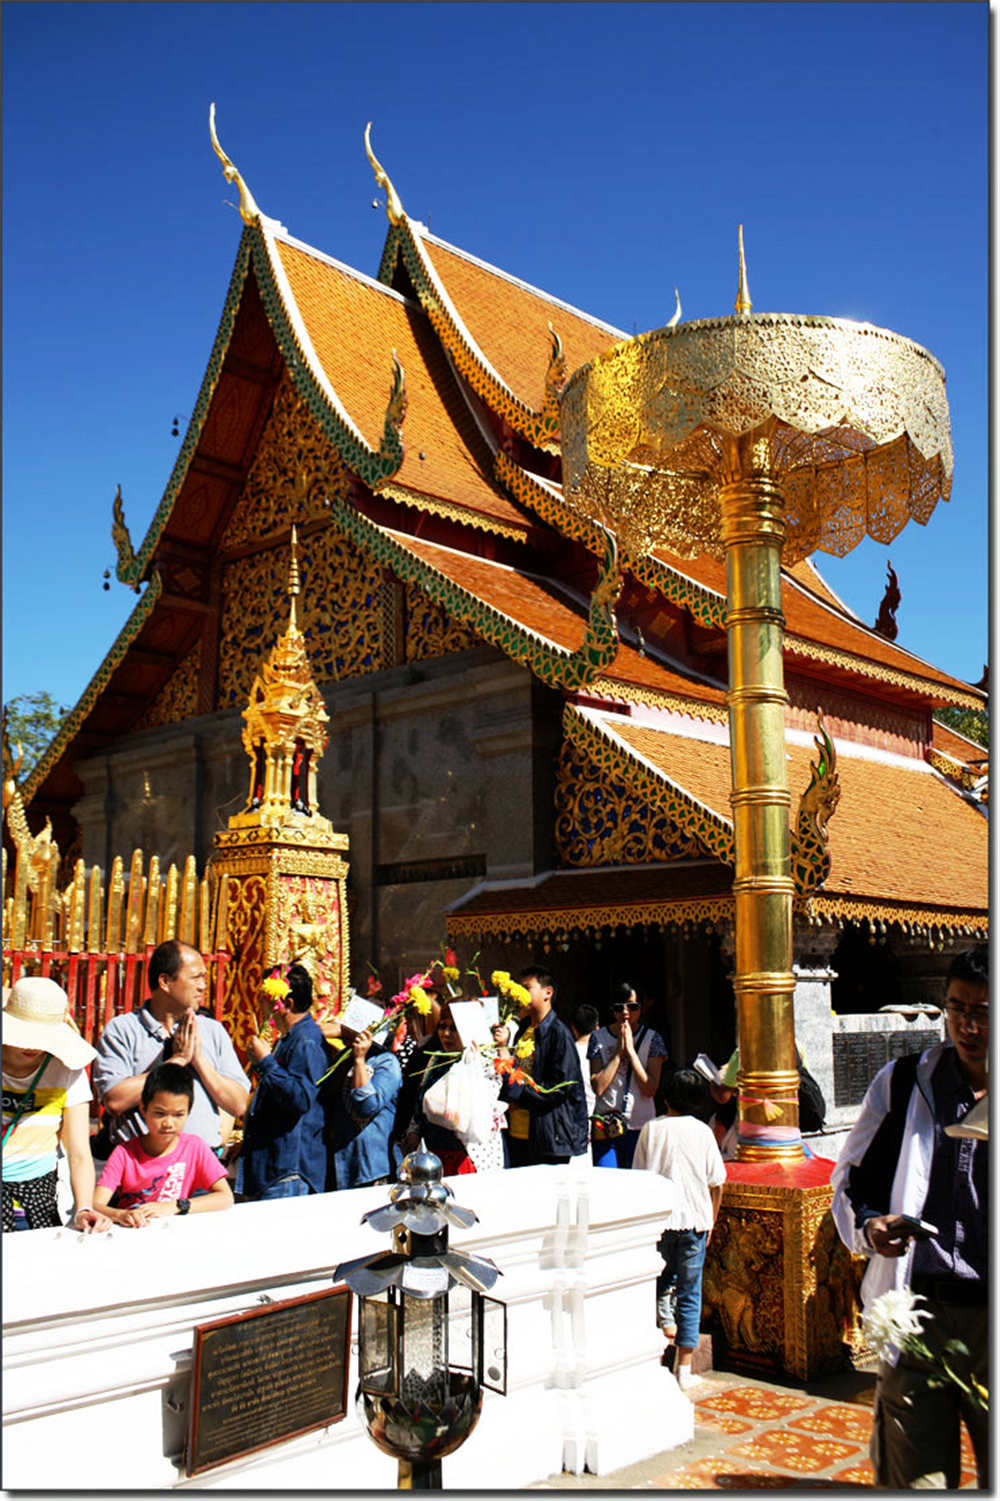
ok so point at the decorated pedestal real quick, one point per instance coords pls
(780, 1290)
(284, 865)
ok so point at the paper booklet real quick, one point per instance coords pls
(704, 1066)
(470, 1023)
(359, 1015)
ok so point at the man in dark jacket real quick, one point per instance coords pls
(284, 1153)
(547, 1121)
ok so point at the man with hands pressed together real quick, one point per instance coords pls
(168, 1026)
(906, 1156)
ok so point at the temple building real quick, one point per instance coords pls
(528, 751)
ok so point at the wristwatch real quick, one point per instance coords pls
(183, 1205)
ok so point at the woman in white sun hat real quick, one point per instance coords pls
(46, 1096)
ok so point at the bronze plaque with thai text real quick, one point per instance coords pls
(268, 1375)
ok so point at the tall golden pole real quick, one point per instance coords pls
(752, 514)
(758, 438)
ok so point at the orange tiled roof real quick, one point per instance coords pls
(544, 608)
(899, 831)
(809, 620)
(354, 324)
(959, 747)
(508, 320)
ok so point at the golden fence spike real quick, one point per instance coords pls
(221, 912)
(19, 922)
(189, 902)
(205, 914)
(42, 915)
(150, 935)
(77, 908)
(133, 910)
(95, 903)
(116, 891)
(168, 917)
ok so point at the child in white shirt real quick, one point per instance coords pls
(684, 1150)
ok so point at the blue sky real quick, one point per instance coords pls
(603, 152)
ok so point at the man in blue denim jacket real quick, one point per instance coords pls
(546, 1124)
(360, 1112)
(284, 1153)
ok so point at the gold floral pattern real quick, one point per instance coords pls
(178, 698)
(340, 612)
(600, 820)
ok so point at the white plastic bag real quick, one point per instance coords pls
(461, 1100)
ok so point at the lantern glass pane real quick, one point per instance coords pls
(463, 1333)
(377, 1345)
(424, 1372)
(493, 1345)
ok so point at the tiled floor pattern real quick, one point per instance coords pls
(771, 1440)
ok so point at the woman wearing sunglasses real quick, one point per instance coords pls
(626, 1059)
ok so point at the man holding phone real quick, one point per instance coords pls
(915, 1200)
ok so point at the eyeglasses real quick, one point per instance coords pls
(969, 1016)
(631, 1006)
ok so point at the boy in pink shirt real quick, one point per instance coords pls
(155, 1174)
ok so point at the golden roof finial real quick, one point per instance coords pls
(393, 206)
(743, 303)
(293, 583)
(249, 212)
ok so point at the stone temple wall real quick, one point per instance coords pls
(439, 772)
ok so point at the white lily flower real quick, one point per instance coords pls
(893, 1318)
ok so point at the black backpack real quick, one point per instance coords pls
(870, 1180)
(812, 1106)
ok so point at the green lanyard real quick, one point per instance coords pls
(24, 1099)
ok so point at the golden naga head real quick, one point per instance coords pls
(249, 212)
(393, 205)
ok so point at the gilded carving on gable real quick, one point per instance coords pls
(339, 612)
(295, 470)
(178, 698)
(430, 630)
(599, 821)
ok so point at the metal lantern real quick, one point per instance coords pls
(428, 1340)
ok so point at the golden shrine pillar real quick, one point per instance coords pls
(283, 862)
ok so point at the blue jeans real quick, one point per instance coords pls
(616, 1153)
(289, 1187)
(678, 1287)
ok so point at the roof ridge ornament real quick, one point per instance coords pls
(677, 310)
(127, 566)
(249, 212)
(393, 206)
(743, 303)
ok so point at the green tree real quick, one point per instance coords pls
(31, 720)
(973, 723)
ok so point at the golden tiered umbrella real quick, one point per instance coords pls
(758, 438)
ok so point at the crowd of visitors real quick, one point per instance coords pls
(338, 1106)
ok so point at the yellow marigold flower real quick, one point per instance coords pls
(420, 1000)
(450, 972)
(501, 979)
(519, 995)
(526, 1046)
(275, 988)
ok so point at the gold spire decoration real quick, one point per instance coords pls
(284, 731)
(393, 204)
(743, 303)
(249, 212)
